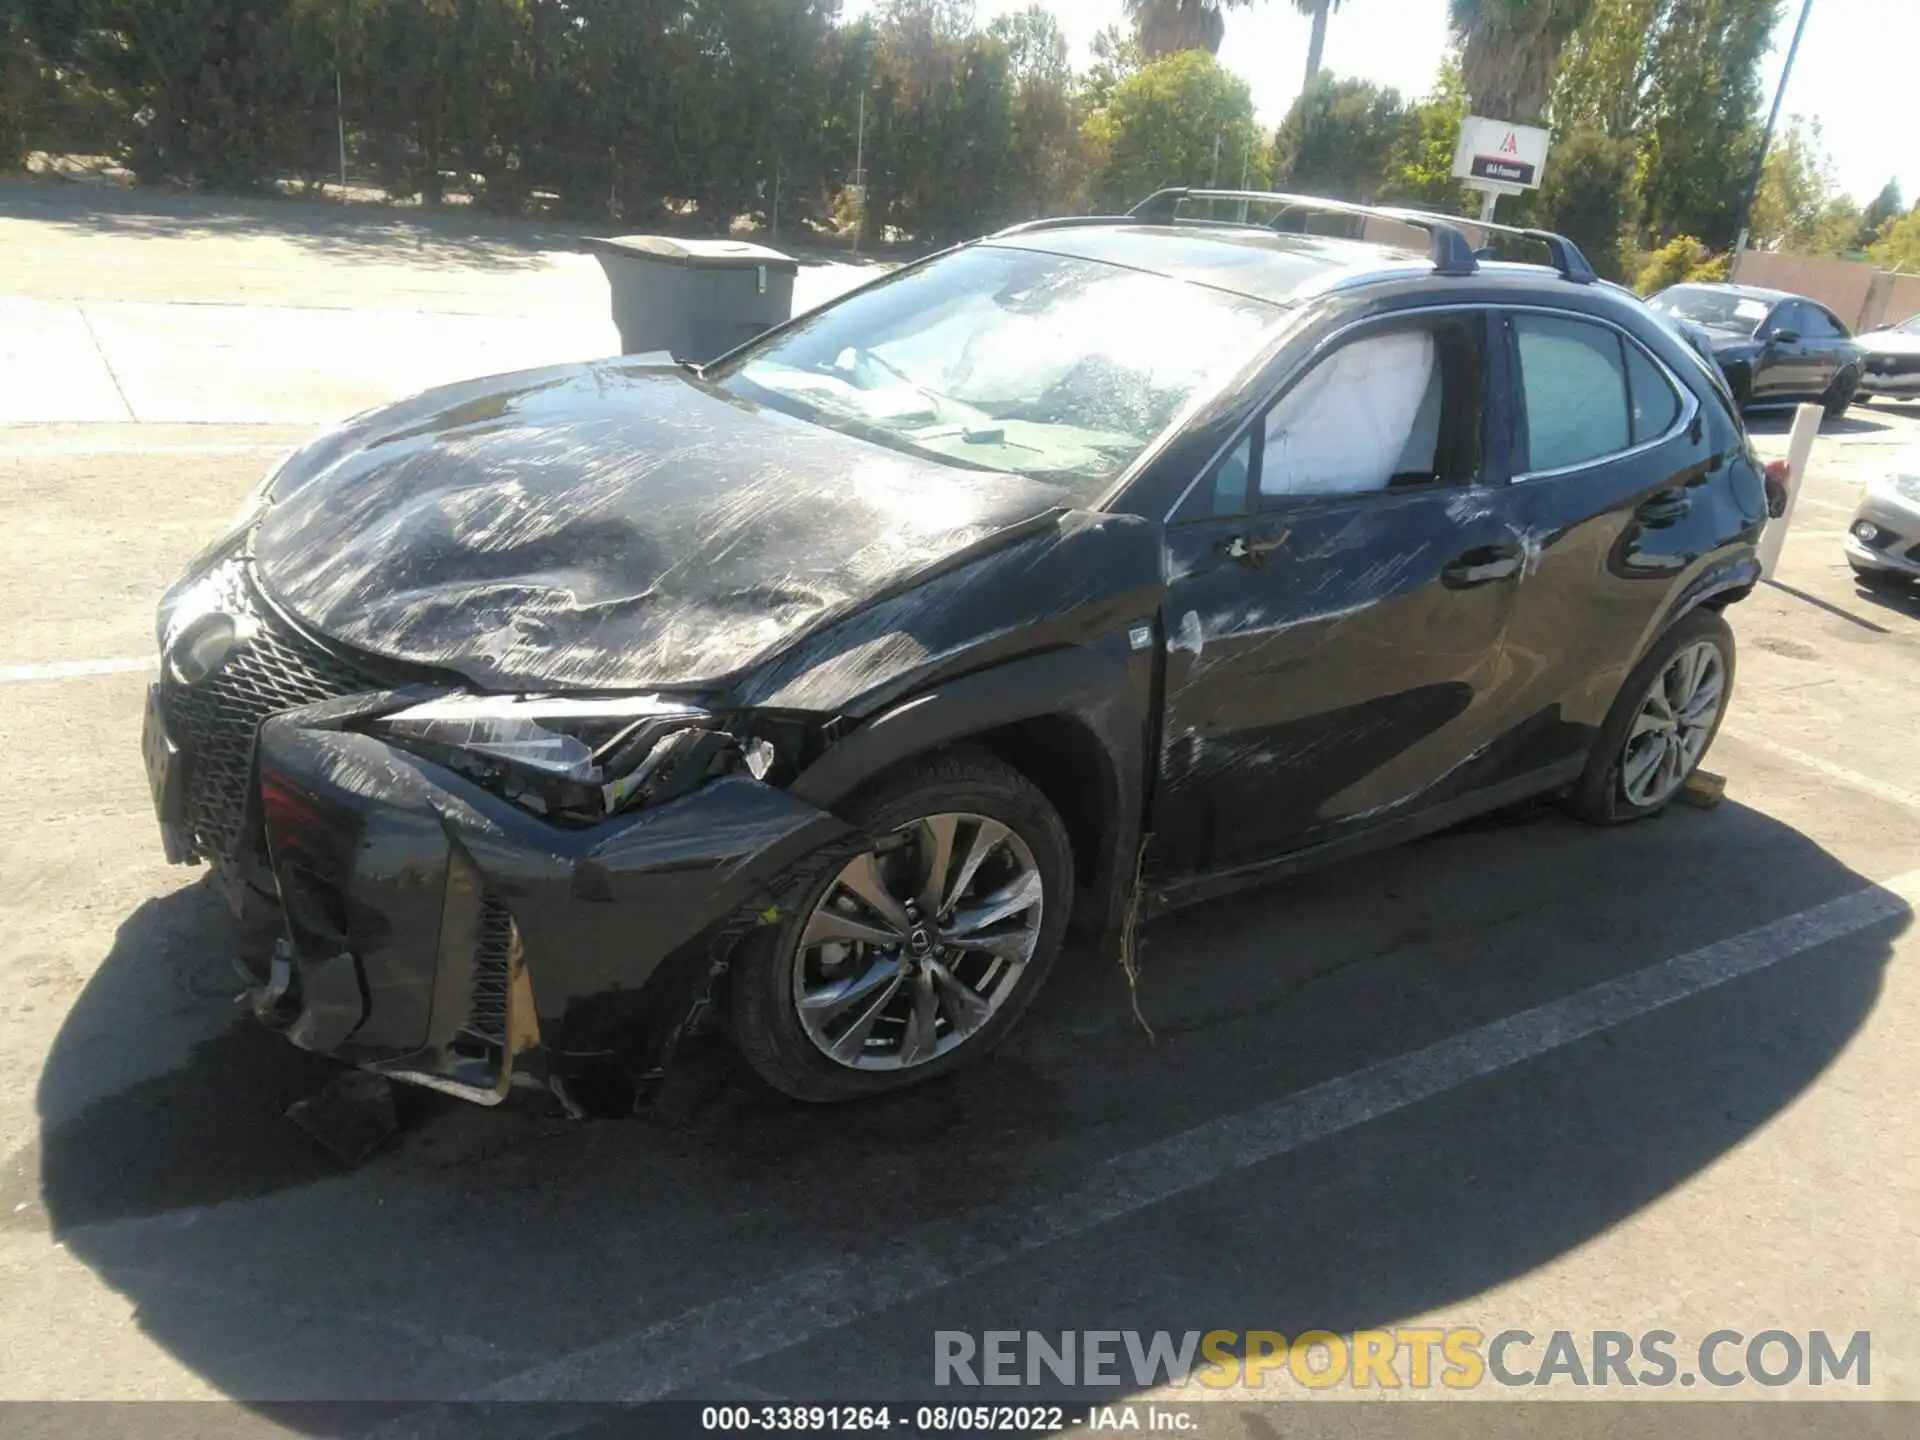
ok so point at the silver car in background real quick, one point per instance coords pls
(1891, 366)
(1883, 542)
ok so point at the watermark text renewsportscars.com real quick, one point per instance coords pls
(1457, 1358)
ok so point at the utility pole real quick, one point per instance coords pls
(859, 173)
(339, 111)
(1766, 140)
(1214, 183)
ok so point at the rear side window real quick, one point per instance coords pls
(1573, 383)
(1654, 405)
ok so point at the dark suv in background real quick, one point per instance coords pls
(1095, 567)
(1776, 349)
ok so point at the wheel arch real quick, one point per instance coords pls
(1724, 582)
(1073, 722)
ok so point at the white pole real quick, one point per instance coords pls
(1488, 199)
(1806, 425)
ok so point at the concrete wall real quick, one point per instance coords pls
(1863, 297)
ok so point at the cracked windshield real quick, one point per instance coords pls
(1006, 359)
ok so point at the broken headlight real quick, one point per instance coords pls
(573, 758)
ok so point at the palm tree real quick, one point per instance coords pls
(1166, 27)
(1316, 47)
(1510, 52)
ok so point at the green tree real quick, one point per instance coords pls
(1681, 259)
(1799, 207)
(1510, 52)
(1881, 211)
(1604, 68)
(221, 93)
(1588, 195)
(1898, 247)
(1697, 115)
(1048, 162)
(1179, 121)
(1681, 78)
(1116, 55)
(1424, 164)
(1342, 138)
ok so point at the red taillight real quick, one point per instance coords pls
(1778, 471)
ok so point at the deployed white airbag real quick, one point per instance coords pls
(1347, 426)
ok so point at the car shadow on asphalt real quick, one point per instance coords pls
(1900, 596)
(481, 1242)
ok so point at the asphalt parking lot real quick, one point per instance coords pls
(1528, 1075)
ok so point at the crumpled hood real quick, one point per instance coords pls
(613, 525)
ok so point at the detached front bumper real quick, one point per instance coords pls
(440, 935)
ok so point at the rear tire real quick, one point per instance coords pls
(1001, 837)
(1616, 786)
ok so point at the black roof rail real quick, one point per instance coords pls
(1567, 257)
(1447, 247)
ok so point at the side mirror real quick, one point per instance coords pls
(1784, 337)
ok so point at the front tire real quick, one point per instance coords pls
(1840, 394)
(1661, 725)
(917, 954)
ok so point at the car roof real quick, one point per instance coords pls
(1248, 260)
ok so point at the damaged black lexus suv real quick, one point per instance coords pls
(1084, 570)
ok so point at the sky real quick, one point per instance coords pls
(1856, 61)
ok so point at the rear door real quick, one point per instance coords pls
(1341, 579)
(1613, 494)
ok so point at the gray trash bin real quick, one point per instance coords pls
(695, 299)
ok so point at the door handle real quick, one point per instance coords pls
(1482, 565)
(1664, 508)
(1256, 548)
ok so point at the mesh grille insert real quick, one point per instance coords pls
(492, 974)
(216, 722)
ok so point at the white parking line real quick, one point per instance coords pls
(1839, 774)
(705, 1342)
(70, 669)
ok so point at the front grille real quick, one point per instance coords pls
(492, 974)
(215, 722)
(1894, 365)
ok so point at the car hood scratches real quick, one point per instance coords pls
(612, 525)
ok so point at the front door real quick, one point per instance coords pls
(1341, 582)
(1788, 369)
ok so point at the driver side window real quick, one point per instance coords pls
(1393, 408)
